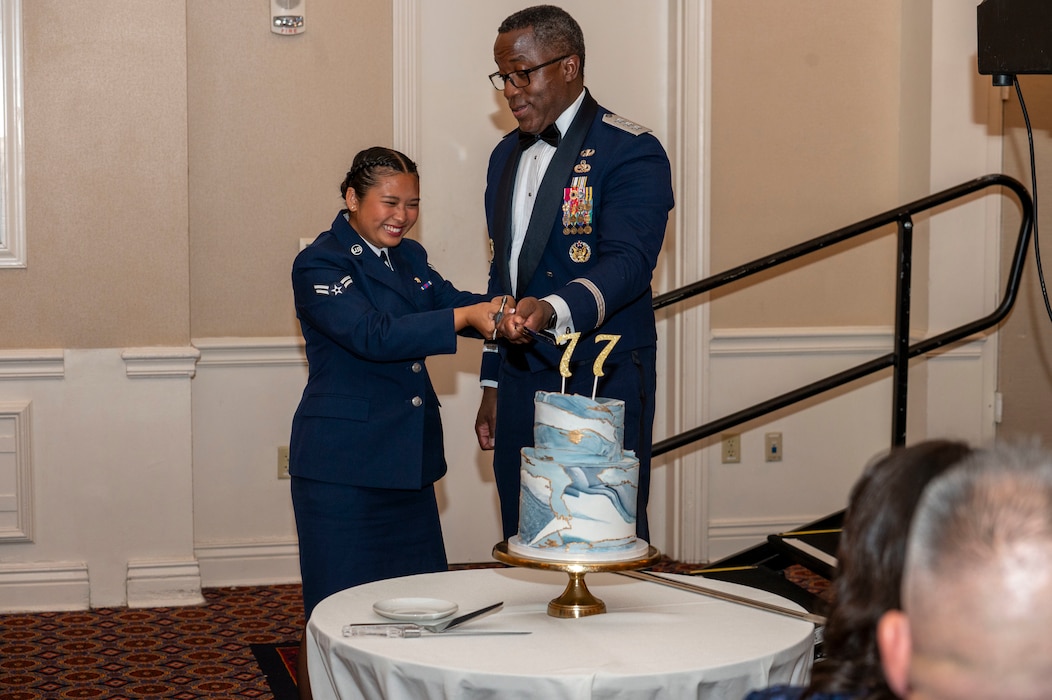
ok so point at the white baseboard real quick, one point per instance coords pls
(248, 563)
(45, 586)
(155, 583)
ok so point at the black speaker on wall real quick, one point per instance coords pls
(1015, 36)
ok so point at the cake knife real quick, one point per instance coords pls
(723, 595)
(499, 316)
(409, 631)
(442, 627)
(412, 629)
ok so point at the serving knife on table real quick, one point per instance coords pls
(412, 629)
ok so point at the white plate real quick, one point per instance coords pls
(414, 608)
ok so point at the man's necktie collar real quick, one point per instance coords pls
(550, 135)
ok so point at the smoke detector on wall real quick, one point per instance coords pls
(288, 16)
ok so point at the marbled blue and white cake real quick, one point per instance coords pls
(577, 499)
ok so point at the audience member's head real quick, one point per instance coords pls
(870, 560)
(976, 619)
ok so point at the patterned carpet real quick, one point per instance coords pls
(240, 644)
(201, 651)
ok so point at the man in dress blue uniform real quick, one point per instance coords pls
(577, 201)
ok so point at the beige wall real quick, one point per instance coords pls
(274, 124)
(175, 158)
(175, 154)
(106, 185)
(806, 124)
(1025, 366)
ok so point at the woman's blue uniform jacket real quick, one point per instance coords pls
(369, 415)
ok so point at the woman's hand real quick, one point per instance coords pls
(483, 316)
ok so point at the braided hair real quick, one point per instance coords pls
(372, 164)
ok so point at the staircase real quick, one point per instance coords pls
(764, 565)
(813, 545)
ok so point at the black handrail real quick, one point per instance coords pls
(903, 350)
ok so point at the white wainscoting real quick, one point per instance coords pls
(16, 472)
(110, 474)
(827, 440)
(244, 395)
(154, 470)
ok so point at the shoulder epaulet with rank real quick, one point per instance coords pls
(625, 125)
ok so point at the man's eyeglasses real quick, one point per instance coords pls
(520, 78)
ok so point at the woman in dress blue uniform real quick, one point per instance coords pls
(366, 444)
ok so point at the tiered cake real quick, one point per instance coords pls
(579, 485)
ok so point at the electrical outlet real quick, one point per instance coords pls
(732, 448)
(772, 447)
(283, 462)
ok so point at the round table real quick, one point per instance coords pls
(654, 642)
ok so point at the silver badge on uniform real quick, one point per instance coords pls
(356, 249)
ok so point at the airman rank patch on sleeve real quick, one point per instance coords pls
(334, 289)
(625, 125)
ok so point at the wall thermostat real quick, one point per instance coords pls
(288, 16)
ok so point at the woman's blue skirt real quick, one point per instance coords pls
(351, 534)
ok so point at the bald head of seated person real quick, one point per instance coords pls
(977, 587)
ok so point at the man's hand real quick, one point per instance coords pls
(486, 421)
(531, 313)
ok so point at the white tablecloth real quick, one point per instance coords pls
(653, 642)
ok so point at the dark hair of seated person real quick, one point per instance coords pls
(870, 558)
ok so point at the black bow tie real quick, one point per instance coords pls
(550, 135)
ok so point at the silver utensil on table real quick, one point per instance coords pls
(450, 624)
(723, 595)
(412, 629)
(397, 630)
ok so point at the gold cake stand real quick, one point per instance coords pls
(576, 600)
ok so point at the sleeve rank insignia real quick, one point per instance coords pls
(334, 289)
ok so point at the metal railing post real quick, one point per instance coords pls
(901, 376)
